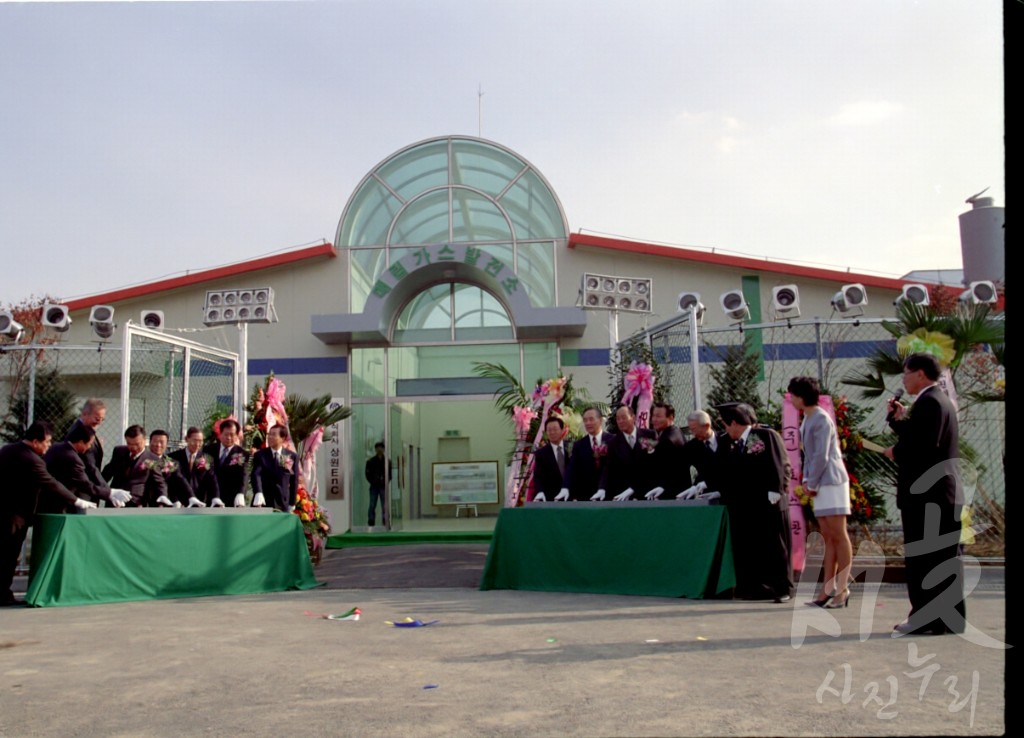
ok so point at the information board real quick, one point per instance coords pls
(465, 483)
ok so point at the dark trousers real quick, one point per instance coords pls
(931, 538)
(377, 494)
(11, 542)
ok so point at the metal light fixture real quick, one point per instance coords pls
(688, 301)
(251, 305)
(734, 305)
(101, 318)
(850, 297)
(980, 293)
(56, 316)
(606, 292)
(152, 319)
(916, 294)
(9, 327)
(786, 301)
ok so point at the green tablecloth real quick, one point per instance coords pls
(87, 559)
(612, 548)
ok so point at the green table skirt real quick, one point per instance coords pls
(612, 548)
(87, 559)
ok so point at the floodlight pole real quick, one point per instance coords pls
(241, 397)
(613, 331)
(698, 400)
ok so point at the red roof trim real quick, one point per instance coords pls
(738, 262)
(244, 267)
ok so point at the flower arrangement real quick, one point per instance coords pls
(316, 524)
(236, 460)
(265, 410)
(287, 463)
(648, 444)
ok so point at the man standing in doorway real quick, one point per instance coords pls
(378, 474)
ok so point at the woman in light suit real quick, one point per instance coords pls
(826, 481)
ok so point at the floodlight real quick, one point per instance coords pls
(980, 293)
(56, 316)
(152, 319)
(101, 318)
(606, 292)
(786, 301)
(688, 301)
(916, 294)
(734, 305)
(9, 327)
(250, 305)
(850, 297)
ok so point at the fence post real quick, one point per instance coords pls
(31, 386)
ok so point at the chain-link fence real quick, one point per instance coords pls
(831, 350)
(166, 382)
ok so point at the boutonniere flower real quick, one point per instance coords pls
(648, 444)
(601, 451)
(203, 463)
(169, 466)
(236, 460)
(287, 463)
(754, 444)
(148, 465)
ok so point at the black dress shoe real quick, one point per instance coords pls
(905, 628)
(783, 598)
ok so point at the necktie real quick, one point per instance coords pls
(223, 453)
(191, 461)
(631, 440)
(593, 443)
(560, 458)
(277, 458)
(708, 444)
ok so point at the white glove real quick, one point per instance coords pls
(539, 497)
(177, 504)
(120, 495)
(624, 495)
(115, 503)
(164, 501)
(562, 496)
(84, 504)
(654, 493)
(710, 496)
(257, 501)
(240, 500)
(196, 502)
(774, 497)
(216, 502)
(598, 496)
(290, 508)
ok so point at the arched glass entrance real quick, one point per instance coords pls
(450, 249)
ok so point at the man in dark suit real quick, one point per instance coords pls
(670, 463)
(24, 477)
(66, 464)
(158, 440)
(701, 451)
(929, 497)
(275, 473)
(93, 413)
(627, 468)
(753, 478)
(551, 462)
(135, 469)
(196, 483)
(587, 459)
(229, 461)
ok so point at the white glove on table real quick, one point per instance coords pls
(539, 497)
(115, 503)
(624, 495)
(257, 501)
(84, 504)
(195, 502)
(774, 497)
(216, 502)
(597, 496)
(562, 496)
(177, 504)
(164, 501)
(120, 495)
(691, 492)
(240, 500)
(710, 496)
(655, 493)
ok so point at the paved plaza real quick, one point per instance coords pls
(497, 663)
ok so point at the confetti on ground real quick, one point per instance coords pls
(701, 638)
(652, 640)
(352, 614)
(410, 623)
(430, 686)
(552, 640)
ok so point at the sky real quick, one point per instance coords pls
(142, 140)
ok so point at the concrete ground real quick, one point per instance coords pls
(498, 663)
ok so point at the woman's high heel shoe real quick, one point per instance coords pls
(823, 602)
(840, 600)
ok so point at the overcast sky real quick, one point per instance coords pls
(140, 140)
